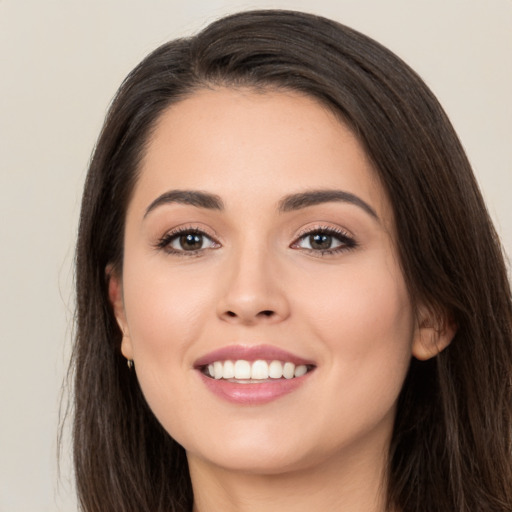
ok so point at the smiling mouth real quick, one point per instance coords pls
(254, 372)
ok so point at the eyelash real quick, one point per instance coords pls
(165, 242)
(347, 243)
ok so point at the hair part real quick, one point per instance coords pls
(451, 445)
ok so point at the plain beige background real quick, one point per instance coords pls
(61, 62)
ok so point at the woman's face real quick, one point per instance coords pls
(258, 232)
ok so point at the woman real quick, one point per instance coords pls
(289, 291)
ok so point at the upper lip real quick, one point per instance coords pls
(250, 353)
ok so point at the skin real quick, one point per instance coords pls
(349, 311)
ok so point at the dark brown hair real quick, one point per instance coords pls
(451, 445)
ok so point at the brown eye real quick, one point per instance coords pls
(324, 242)
(320, 241)
(190, 242)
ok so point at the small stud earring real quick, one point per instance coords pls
(129, 363)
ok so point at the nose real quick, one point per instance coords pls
(252, 292)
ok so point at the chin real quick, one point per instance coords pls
(263, 461)
(264, 450)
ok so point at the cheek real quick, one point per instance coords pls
(364, 319)
(165, 310)
(367, 297)
(167, 313)
(364, 316)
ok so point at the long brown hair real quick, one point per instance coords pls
(451, 445)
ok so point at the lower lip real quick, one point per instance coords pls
(253, 393)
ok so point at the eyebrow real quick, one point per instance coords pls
(192, 197)
(289, 203)
(311, 198)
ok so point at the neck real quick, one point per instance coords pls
(356, 485)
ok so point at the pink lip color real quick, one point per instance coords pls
(250, 353)
(253, 393)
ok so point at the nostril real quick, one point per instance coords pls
(248, 316)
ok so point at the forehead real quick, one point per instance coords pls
(234, 141)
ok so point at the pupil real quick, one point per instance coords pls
(320, 241)
(191, 241)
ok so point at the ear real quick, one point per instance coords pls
(434, 333)
(115, 295)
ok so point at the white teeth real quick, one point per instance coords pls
(288, 370)
(229, 370)
(301, 370)
(242, 369)
(217, 370)
(257, 370)
(275, 370)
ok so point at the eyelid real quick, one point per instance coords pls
(164, 242)
(313, 228)
(347, 240)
